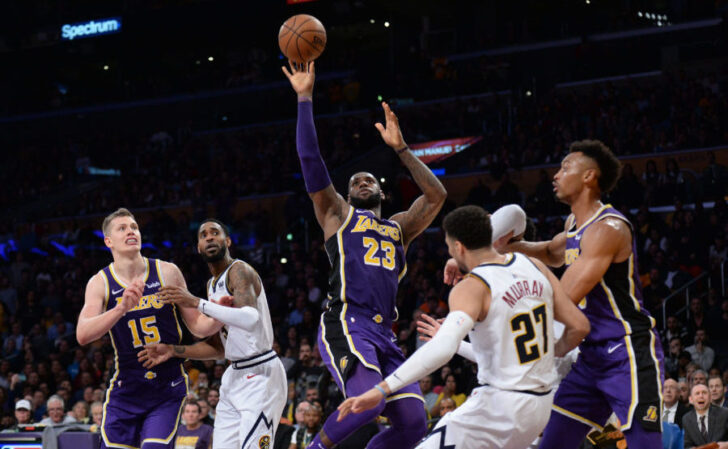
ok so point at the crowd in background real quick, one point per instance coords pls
(177, 167)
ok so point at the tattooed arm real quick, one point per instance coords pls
(154, 354)
(245, 285)
(425, 208)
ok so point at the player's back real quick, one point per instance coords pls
(239, 343)
(368, 261)
(614, 306)
(150, 321)
(514, 344)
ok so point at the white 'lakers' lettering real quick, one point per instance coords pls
(145, 302)
(365, 223)
(519, 289)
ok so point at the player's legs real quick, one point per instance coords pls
(227, 423)
(360, 380)
(405, 409)
(639, 406)
(408, 425)
(160, 424)
(578, 406)
(251, 403)
(121, 425)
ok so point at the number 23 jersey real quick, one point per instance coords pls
(514, 344)
(367, 262)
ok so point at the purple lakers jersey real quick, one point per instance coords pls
(148, 322)
(614, 306)
(367, 262)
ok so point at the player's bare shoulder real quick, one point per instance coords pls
(171, 273)
(610, 234)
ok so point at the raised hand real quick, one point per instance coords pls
(427, 326)
(154, 354)
(173, 294)
(131, 296)
(361, 403)
(302, 77)
(452, 274)
(391, 134)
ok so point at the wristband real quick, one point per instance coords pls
(400, 151)
(305, 98)
(381, 390)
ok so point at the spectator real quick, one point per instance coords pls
(312, 425)
(699, 430)
(193, 434)
(79, 412)
(427, 393)
(56, 412)
(204, 411)
(674, 409)
(22, 412)
(449, 391)
(97, 413)
(213, 397)
(717, 391)
(700, 352)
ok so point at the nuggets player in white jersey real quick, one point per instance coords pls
(507, 304)
(254, 388)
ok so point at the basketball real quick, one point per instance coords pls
(302, 38)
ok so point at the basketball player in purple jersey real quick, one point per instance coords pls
(367, 254)
(142, 406)
(620, 365)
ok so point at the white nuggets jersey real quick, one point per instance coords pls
(241, 344)
(514, 345)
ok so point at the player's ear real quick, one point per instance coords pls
(228, 241)
(107, 241)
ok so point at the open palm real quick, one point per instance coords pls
(301, 77)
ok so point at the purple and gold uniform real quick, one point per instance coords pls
(368, 261)
(142, 406)
(619, 368)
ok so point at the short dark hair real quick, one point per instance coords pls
(222, 225)
(470, 225)
(609, 166)
(195, 404)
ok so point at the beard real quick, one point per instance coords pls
(214, 257)
(373, 201)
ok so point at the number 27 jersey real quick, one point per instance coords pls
(514, 344)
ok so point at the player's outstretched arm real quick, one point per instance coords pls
(605, 242)
(175, 291)
(209, 349)
(93, 321)
(330, 207)
(469, 301)
(565, 311)
(426, 207)
(550, 252)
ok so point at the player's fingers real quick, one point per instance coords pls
(379, 127)
(285, 71)
(294, 68)
(311, 68)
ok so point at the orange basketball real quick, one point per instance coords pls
(302, 38)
